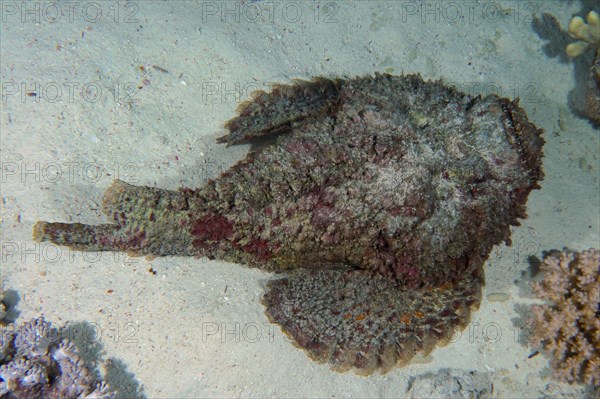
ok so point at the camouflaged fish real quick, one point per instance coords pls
(375, 200)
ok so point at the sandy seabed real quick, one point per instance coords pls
(93, 91)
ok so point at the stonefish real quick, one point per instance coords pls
(376, 200)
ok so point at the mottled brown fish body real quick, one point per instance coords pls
(379, 202)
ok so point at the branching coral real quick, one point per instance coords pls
(36, 363)
(569, 327)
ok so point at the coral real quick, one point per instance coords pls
(3, 308)
(588, 34)
(377, 202)
(589, 37)
(35, 363)
(569, 326)
(592, 109)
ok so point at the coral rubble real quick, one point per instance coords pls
(377, 204)
(35, 363)
(569, 326)
(451, 383)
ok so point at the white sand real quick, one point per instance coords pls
(196, 327)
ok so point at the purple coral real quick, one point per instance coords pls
(35, 363)
(569, 326)
(34, 338)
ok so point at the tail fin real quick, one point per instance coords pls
(146, 221)
(76, 235)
